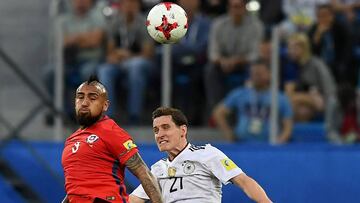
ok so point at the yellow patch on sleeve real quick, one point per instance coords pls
(228, 164)
(129, 144)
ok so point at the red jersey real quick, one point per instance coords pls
(94, 162)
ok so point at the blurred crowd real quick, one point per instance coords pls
(221, 70)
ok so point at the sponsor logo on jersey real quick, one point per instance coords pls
(189, 167)
(228, 164)
(129, 144)
(91, 139)
(110, 198)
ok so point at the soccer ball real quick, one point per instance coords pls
(167, 23)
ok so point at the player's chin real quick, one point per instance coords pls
(162, 147)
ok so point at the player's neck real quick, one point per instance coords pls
(174, 153)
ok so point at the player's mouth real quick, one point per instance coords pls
(162, 142)
(84, 110)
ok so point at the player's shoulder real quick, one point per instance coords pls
(202, 150)
(202, 153)
(159, 162)
(109, 128)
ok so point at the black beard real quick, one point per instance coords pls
(87, 120)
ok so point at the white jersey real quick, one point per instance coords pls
(195, 175)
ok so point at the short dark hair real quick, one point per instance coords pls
(177, 116)
(94, 80)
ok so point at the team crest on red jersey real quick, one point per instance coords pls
(91, 139)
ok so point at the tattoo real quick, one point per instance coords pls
(137, 167)
(152, 188)
(134, 162)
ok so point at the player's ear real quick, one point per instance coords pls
(183, 130)
(106, 105)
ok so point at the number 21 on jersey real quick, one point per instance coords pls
(175, 186)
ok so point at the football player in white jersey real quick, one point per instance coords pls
(192, 173)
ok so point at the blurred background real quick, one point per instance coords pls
(274, 84)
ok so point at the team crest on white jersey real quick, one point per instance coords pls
(189, 167)
(171, 171)
(91, 139)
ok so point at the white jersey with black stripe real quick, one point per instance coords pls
(195, 175)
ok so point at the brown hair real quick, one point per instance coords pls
(177, 116)
(302, 40)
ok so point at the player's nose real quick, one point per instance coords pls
(160, 134)
(85, 102)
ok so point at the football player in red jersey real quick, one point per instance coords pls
(95, 156)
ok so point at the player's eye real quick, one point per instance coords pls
(156, 130)
(166, 127)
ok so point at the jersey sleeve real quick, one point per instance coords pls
(120, 144)
(221, 166)
(140, 192)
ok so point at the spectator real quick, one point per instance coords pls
(313, 92)
(83, 32)
(130, 51)
(252, 108)
(299, 15)
(189, 58)
(330, 40)
(234, 41)
(265, 53)
(214, 8)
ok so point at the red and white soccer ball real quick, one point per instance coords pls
(167, 23)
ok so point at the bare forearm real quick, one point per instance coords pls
(303, 99)
(252, 189)
(225, 128)
(255, 191)
(286, 132)
(137, 166)
(91, 40)
(220, 114)
(151, 187)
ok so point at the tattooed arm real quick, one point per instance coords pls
(137, 167)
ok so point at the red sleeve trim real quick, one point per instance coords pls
(124, 158)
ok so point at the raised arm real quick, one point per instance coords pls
(252, 189)
(137, 167)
